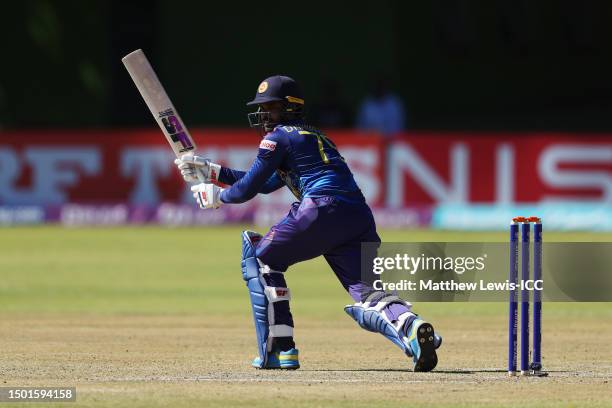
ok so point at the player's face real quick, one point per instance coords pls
(274, 108)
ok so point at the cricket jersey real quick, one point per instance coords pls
(299, 157)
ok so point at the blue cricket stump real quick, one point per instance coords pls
(513, 317)
(536, 363)
(535, 368)
(525, 275)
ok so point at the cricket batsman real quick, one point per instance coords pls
(329, 218)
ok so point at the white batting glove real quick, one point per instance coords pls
(197, 169)
(207, 195)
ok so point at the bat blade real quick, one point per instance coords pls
(158, 102)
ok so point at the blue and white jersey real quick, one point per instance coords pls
(299, 157)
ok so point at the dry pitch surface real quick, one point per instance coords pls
(126, 317)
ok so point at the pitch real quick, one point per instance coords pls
(148, 317)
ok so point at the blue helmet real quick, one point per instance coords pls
(277, 88)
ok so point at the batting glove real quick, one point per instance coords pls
(196, 169)
(207, 195)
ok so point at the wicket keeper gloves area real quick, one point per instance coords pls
(207, 195)
(196, 169)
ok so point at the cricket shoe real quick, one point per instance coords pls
(284, 360)
(423, 342)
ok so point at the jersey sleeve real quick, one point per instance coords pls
(230, 176)
(272, 151)
(273, 184)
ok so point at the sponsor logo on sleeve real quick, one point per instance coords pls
(267, 144)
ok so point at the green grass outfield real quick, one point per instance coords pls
(77, 303)
(152, 270)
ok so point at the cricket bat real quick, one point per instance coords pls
(158, 102)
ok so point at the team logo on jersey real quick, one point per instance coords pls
(262, 87)
(267, 144)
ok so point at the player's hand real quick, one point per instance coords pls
(196, 169)
(207, 195)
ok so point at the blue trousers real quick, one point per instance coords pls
(328, 226)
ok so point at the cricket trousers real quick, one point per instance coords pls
(328, 226)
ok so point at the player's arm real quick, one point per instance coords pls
(230, 176)
(273, 184)
(196, 168)
(272, 151)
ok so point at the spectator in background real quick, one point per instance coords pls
(330, 111)
(382, 110)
